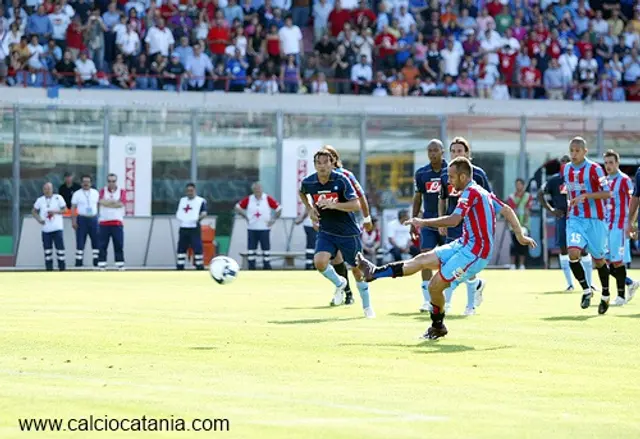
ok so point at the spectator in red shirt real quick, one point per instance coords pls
(507, 57)
(530, 80)
(633, 94)
(533, 45)
(386, 46)
(337, 18)
(272, 44)
(555, 49)
(494, 7)
(168, 10)
(218, 38)
(210, 7)
(363, 13)
(541, 29)
(471, 45)
(584, 45)
(75, 43)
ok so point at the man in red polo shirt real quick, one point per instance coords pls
(218, 38)
(337, 18)
(386, 45)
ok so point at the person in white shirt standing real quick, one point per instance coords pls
(84, 205)
(191, 210)
(399, 237)
(159, 40)
(111, 222)
(291, 40)
(256, 209)
(47, 210)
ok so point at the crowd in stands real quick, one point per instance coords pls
(499, 49)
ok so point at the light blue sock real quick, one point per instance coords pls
(330, 273)
(363, 289)
(566, 269)
(448, 294)
(425, 291)
(587, 264)
(472, 285)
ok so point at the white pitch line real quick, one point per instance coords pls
(404, 416)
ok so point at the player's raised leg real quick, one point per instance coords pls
(47, 245)
(58, 241)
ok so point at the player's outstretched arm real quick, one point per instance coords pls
(512, 219)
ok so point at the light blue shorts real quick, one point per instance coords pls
(588, 233)
(618, 247)
(458, 263)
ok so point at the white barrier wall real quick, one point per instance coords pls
(148, 242)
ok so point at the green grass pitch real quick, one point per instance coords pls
(268, 354)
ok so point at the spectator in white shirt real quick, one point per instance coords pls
(490, 45)
(451, 58)
(13, 37)
(121, 28)
(361, 75)
(59, 21)
(129, 42)
(399, 236)
(600, 25)
(321, 11)
(291, 39)
(568, 62)
(159, 40)
(405, 19)
(86, 73)
(35, 51)
(283, 5)
(500, 91)
(365, 44)
(319, 86)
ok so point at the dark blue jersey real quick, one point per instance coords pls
(449, 193)
(557, 190)
(340, 189)
(429, 183)
(636, 182)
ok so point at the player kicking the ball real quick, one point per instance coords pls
(334, 201)
(461, 259)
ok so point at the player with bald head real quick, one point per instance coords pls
(47, 210)
(428, 185)
(461, 259)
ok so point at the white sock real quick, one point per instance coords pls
(566, 269)
(425, 291)
(587, 264)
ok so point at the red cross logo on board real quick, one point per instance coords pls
(187, 208)
(257, 215)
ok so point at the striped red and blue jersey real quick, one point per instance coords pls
(586, 178)
(354, 181)
(478, 207)
(618, 205)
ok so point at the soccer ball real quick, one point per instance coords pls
(223, 269)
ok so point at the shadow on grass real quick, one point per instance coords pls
(312, 321)
(568, 318)
(425, 315)
(429, 347)
(631, 316)
(309, 307)
(202, 348)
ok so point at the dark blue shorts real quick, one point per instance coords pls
(561, 232)
(349, 246)
(430, 238)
